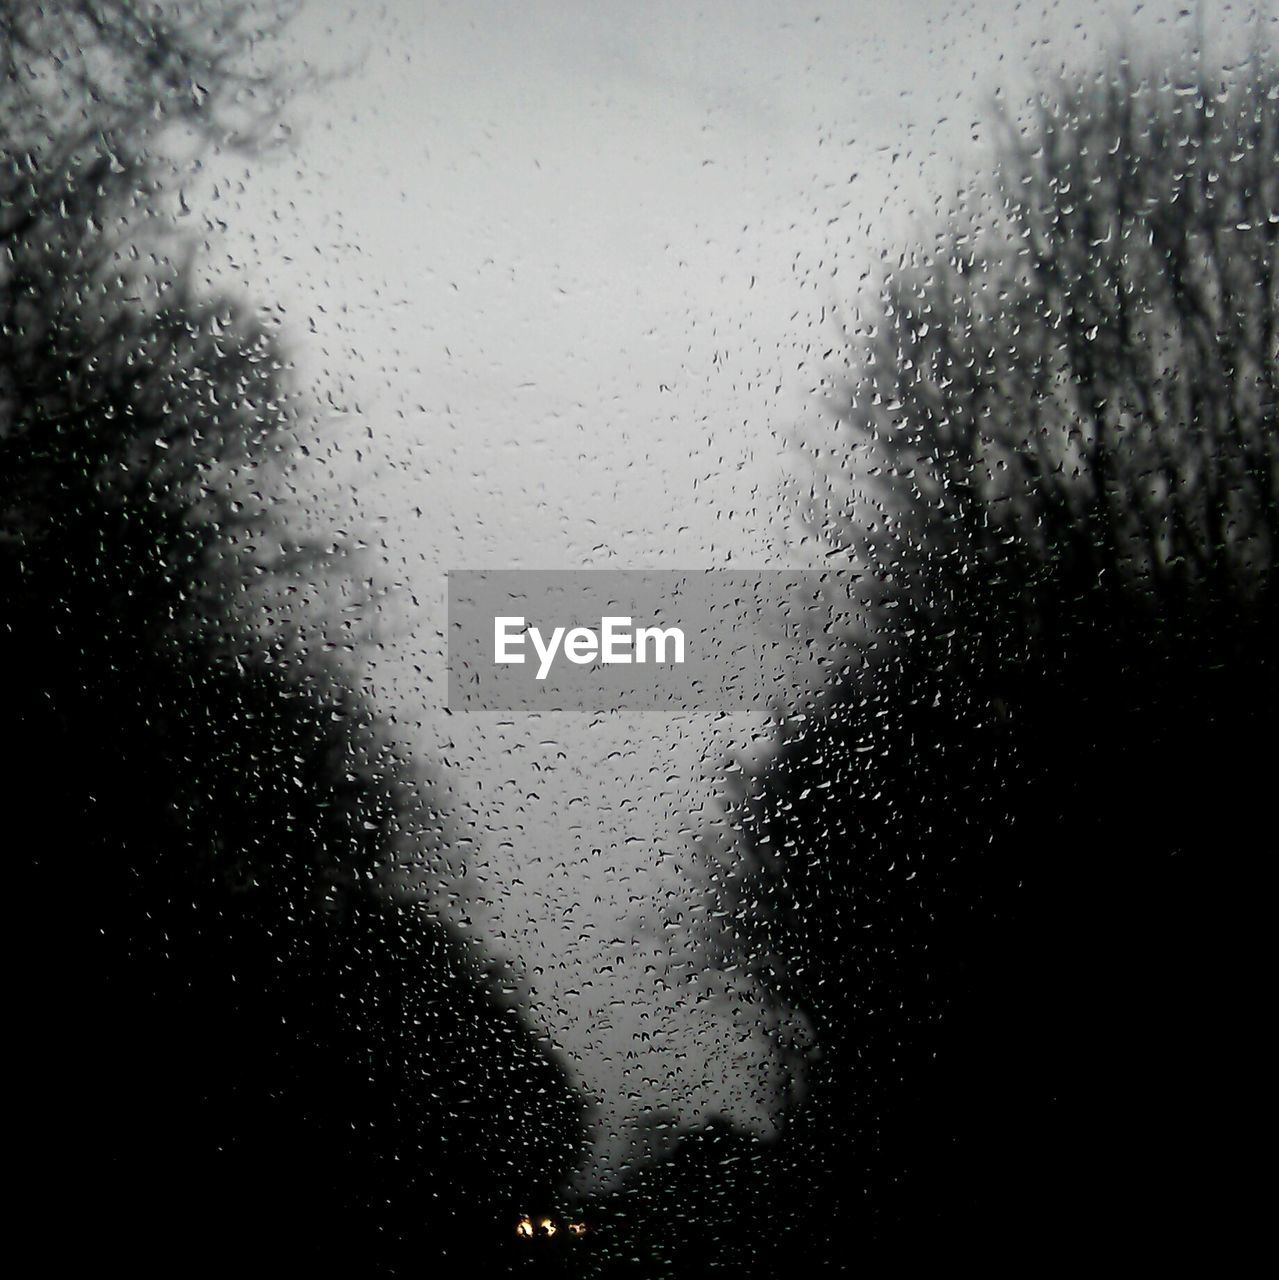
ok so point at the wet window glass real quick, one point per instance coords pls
(640, 639)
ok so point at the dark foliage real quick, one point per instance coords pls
(233, 1052)
(1012, 874)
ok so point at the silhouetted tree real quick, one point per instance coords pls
(232, 1049)
(1072, 394)
(1009, 873)
(81, 70)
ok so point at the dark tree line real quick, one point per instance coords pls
(1028, 927)
(1012, 873)
(233, 1051)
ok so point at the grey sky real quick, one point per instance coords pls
(563, 268)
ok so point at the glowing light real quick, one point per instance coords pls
(546, 1228)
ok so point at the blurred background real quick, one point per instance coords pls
(306, 306)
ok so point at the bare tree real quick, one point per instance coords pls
(1005, 870)
(229, 1034)
(85, 69)
(1074, 389)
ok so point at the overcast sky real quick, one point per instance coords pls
(568, 270)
